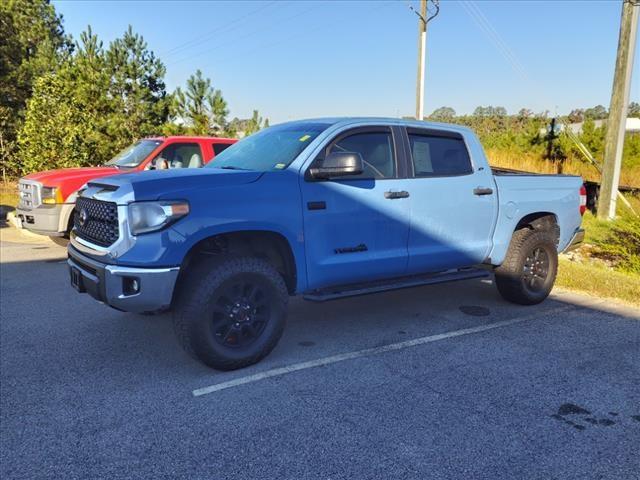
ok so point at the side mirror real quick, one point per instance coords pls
(339, 164)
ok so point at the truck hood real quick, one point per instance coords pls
(70, 180)
(53, 178)
(162, 184)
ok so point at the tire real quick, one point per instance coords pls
(230, 313)
(529, 270)
(60, 241)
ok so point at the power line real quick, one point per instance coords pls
(295, 35)
(229, 26)
(250, 34)
(485, 25)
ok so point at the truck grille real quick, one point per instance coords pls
(96, 221)
(29, 193)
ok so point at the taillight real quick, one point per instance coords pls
(583, 199)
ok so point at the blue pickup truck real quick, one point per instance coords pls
(323, 208)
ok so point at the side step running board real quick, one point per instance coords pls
(394, 284)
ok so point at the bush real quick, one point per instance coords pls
(56, 131)
(622, 245)
(97, 102)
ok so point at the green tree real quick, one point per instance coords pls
(32, 43)
(634, 110)
(96, 103)
(490, 111)
(576, 115)
(201, 107)
(525, 113)
(58, 132)
(137, 89)
(443, 114)
(593, 138)
(598, 112)
(255, 123)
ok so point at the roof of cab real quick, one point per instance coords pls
(190, 137)
(346, 121)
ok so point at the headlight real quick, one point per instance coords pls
(51, 195)
(147, 217)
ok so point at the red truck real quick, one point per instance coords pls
(48, 198)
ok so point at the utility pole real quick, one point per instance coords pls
(422, 51)
(616, 125)
(423, 20)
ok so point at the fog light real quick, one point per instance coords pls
(130, 285)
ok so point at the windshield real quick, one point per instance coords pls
(271, 149)
(133, 155)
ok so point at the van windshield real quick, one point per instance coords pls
(134, 155)
(271, 149)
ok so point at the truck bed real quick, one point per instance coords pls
(499, 171)
(521, 192)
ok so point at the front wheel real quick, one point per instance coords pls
(529, 270)
(231, 312)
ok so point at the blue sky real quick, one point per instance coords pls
(299, 59)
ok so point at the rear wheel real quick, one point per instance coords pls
(230, 313)
(529, 270)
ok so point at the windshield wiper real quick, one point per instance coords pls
(119, 167)
(231, 167)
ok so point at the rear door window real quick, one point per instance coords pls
(436, 156)
(218, 148)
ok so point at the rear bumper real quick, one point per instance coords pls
(42, 220)
(112, 284)
(576, 240)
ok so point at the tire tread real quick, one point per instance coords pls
(508, 275)
(193, 297)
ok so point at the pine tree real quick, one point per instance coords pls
(255, 123)
(137, 89)
(32, 43)
(443, 114)
(201, 107)
(96, 103)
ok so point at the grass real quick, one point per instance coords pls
(535, 163)
(589, 273)
(596, 231)
(599, 280)
(8, 194)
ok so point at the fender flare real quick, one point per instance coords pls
(66, 211)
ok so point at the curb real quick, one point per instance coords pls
(13, 221)
(586, 300)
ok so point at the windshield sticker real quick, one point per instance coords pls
(304, 138)
(280, 166)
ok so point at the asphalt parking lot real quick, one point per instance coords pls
(444, 381)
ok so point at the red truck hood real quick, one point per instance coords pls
(69, 180)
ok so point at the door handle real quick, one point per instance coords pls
(393, 195)
(482, 191)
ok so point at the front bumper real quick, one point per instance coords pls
(576, 240)
(113, 284)
(42, 220)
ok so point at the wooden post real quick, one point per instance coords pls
(616, 125)
(422, 48)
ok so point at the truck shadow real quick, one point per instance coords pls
(4, 210)
(67, 335)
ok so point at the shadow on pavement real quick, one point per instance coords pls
(4, 210)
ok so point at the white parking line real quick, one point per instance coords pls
(276, 372)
